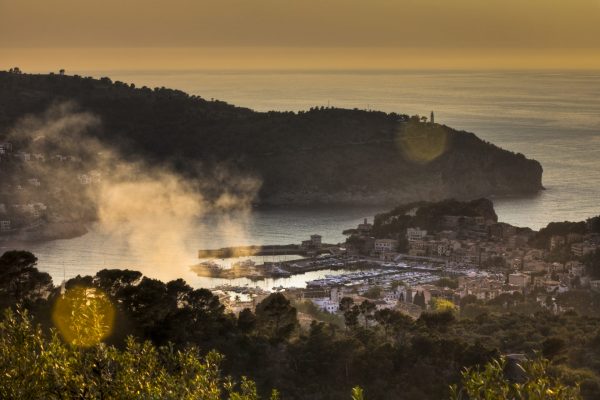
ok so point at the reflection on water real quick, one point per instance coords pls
(298, 281)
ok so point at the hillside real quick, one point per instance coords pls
(429, 215)
(324, 155)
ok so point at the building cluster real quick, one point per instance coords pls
(20, 215)
(26, 191)
(495, 257)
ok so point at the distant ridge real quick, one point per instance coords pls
(323, 155)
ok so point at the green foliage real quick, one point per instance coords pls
(594, 224)
(384, 352)
(374, 292)
(357, 393)
(439, 319)
(419, 299)
(491, 383)
(83, 316)
(429, 215)
(542, 238)
(446, 282)
(275, 317)
(32, 366)
(308, 307)
(20, 280)
(442, 305)
(592, 263)
(173, 128)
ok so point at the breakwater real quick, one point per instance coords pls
(265, 250)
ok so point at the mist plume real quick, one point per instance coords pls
(149, 207)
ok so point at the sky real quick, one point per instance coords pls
(237, 34)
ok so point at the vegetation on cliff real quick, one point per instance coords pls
(429, 215)
(542, 238)
(319, 155)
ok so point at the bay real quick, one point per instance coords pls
(551, 116)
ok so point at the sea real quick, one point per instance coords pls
(550, 116)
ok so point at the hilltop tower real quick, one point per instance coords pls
(432, 120)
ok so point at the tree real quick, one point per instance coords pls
(113, 281)
(552, 346)
(374, 292)
(392, 320)
(419, 299)
(83, 316)
(275, 317)
(346, 304)
(20, 280)
(468, 299)
(33, 366)
(246, 321)
(592, 263)
(438, 304)
(367, 309)
(447, 282)
(351, 317)
(491, 383)
(438, 319)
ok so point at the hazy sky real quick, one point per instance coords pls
(439, 33)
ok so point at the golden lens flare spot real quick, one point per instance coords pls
(422, 142)
(84, 316)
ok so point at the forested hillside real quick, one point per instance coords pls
(322, 155)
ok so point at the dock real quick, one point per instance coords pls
(264, 250)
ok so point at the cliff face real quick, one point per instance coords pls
(317, 156)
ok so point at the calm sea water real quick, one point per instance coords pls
(553, 117)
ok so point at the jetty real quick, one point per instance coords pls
(248, 251)
(310, 247)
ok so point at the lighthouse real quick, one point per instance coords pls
(432, 120)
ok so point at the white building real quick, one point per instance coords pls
(5, 226)
(583, 248)
(84, 179)
(385, 245)
(24, 156)
(414, 234)
(595, 285)
(331, 306)
(5, 147)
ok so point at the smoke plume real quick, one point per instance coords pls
(150, 208)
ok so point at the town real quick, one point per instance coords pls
(40, 193)
(460, 260)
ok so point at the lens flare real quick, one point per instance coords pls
(84, 316)
(422, 142)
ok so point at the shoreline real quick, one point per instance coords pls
(48, 233)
